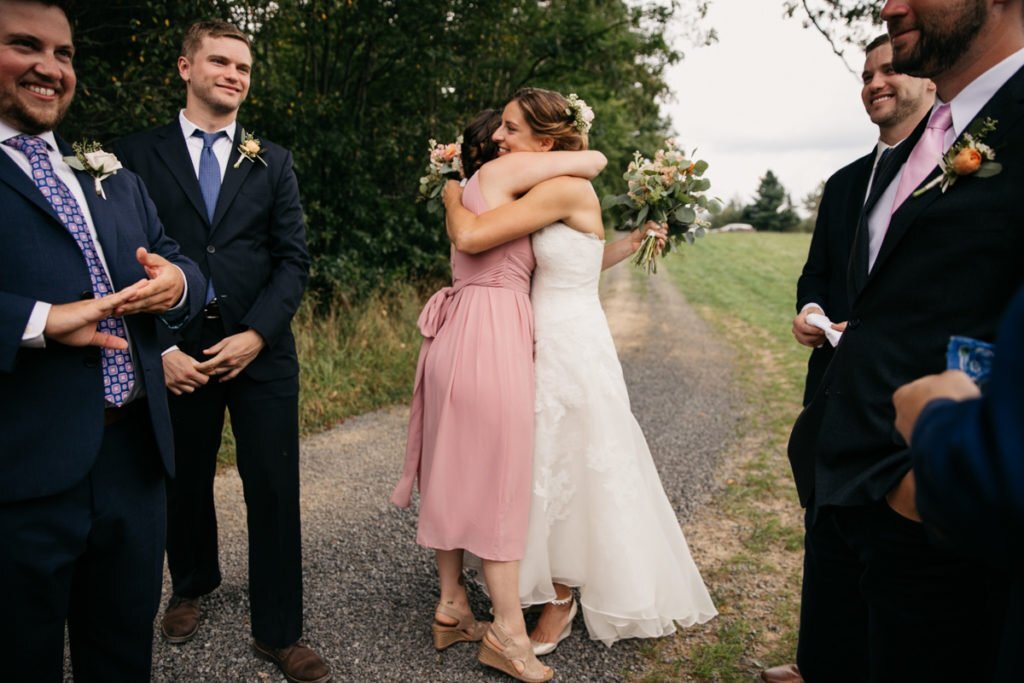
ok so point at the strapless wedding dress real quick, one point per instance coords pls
(599, 516)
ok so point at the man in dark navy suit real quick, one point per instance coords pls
(881, 599)
(87, 278)
(968, 471)
(895, 103)
(232, 202)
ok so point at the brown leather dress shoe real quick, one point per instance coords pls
(787, 673)
(181, 619)
(298, 663)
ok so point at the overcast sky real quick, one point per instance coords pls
(769, 94)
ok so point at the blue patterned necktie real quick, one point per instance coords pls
(118, 370)
(209, 184)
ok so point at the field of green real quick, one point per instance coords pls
(744, 285)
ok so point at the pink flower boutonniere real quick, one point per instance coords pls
(969, 156)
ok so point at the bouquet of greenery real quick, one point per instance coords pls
(445, 164)
(667, 189)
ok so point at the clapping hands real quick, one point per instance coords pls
(161, 291)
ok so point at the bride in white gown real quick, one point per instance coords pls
(599, 519)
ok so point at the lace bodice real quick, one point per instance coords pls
(566, 278)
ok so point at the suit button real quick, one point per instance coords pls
(91, 361)
(210, 249)
(87, 294)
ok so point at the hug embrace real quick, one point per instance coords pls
(521, 438)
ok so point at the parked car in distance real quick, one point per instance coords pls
(735, 227)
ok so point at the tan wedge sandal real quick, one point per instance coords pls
(505, 658)
(467, 628)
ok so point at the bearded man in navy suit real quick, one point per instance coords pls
(87, 278)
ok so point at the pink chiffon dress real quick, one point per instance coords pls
(470, 442)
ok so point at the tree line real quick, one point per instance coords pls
(355, 88)
(772, 208)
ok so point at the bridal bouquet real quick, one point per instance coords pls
(667, 189)
(445, 164)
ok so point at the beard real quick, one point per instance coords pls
(942, 39)
(907, 105)
(28, 120)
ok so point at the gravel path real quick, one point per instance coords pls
(370, 591)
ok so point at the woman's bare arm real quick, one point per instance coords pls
(512, 175)
(616, 251)
(553, 200)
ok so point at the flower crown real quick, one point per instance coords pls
(580, 111)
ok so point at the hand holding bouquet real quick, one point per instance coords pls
(668, 189)
(445, 164)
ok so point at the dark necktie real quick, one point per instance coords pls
(118, 370)
(879, 166)
(209, 184)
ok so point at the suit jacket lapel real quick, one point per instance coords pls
(21, 183)
(1004, 108)
(233, 178)
(173, 151)
(857, 271)
(104, 217)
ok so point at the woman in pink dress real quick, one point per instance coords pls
(470, 439)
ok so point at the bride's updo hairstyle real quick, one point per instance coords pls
(477, 146)
(548, 115)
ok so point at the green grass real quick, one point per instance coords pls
(744, 286)
(352, 359)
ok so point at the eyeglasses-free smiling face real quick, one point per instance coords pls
(515, 134)
(890, 97)
(37, 79)
(217, 74)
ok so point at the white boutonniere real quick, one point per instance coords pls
(250, 149)
(90, 157)
(969, 156)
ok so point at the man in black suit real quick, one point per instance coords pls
(895, 103)
(881, 601)
(86, 282)
(232, 202)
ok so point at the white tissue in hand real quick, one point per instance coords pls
(823, 323)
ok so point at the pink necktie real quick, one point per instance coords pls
(925, 155)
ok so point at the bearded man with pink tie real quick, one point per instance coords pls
(882, 599)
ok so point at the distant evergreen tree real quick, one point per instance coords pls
(772, 209)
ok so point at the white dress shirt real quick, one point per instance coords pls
(964, 107)
(221, 148)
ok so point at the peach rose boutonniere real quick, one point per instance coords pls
(969, 156)
(251, 149)
(90, 157)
